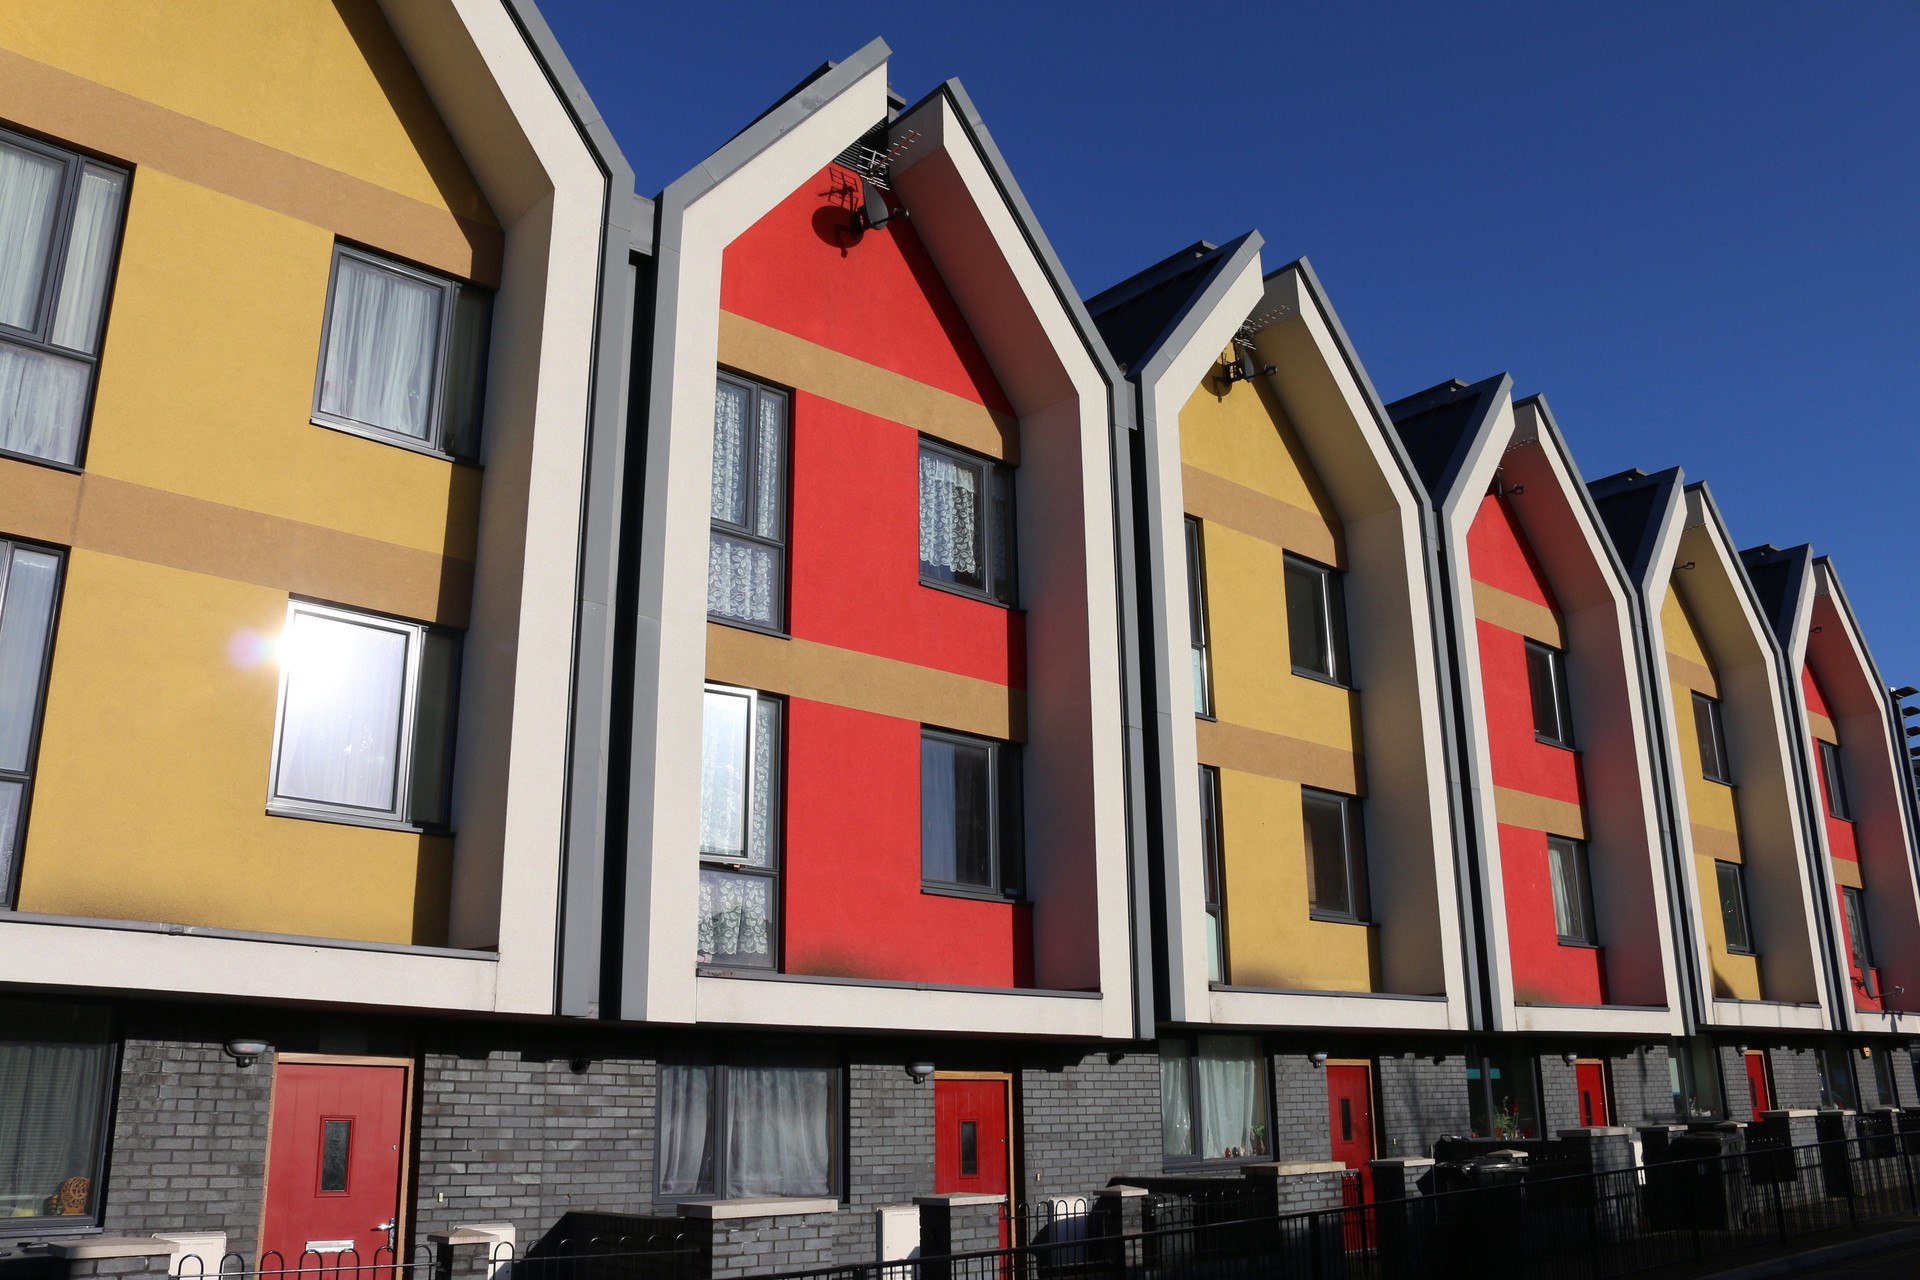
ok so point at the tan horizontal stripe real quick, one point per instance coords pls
(865, 682)
(1258, 515)
(117, 518)
(1693, 675)
(144, 134)
(766, 352)
(1274, 755)
(1847, 872)
(1823, 728)
(1539, 813)
(1712, 842)
(1515, 613)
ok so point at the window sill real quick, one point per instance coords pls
(395, 439)
(1722, 782)
(756, 1207)
(349, 819)
(1545, 741)
(1580, 944)
(972, 894)
(1736, 951)
(1319, 678)
(741, 624)
(1206, 1164)
(966, 594)
(1327, 917)
(36, 460)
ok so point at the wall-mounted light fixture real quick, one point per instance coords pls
(1741, 1050)
(246, 1052)
(1317, 1058)
(920, 1071)
(1687, 565)
(1439, 1059)
(1569, 1057)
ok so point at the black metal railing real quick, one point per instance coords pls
(664, 1254)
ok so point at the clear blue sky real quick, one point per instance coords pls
(1694, 226)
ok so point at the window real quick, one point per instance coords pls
(1213, 1098)
(1215, 873)
(1713, 739)
(367, 708)
(752, 1125)
(1197, 620)
(56, 1075)
(1316, 620)
(1552, 707)
(1503, 1095)
(1837, 1085)
(1336, 856)
(747, 557)
(1859, 942)
(740, 784)
(1835, 778)
(969, 814)
(1572, 891)
(966, 523)
(1733, 907)
(60, 217)
(403, 356)
(29, 589)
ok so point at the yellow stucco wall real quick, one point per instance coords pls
(1243, 437)
(1712, 807)
(152, 778)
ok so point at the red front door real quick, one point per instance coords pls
(1590, 1082)
(333, 1165)
(1350, 1124)
(1757, 1082)
(970, 1137)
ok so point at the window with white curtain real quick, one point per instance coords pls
(970, 818)
(60, 217)
(740, 787)
(1572, 891)
(1213, 1098)
(750, 1124)
(966, 523)
(56, 1067)
(403, 355)
(747, 553)
(366, 719)
(29, 592)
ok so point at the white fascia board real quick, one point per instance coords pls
(700, 215)
(1167, 381)
(797, 1003)
(1595, 1020)
(1762, 1015)
(1332, 1010)
(51, 954)
(553, 211)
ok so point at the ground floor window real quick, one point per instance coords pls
(56, 1069)
(1837, 1087)
(750, 1124)
(1693, 1070)
(1213, 1098)
(1503, 1094)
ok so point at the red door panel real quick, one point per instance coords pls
(1350, 1125)
(1757, 1082)
(1590, 1083)
(333, 1164)
(970, 1137)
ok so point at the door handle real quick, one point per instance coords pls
(384, 1226)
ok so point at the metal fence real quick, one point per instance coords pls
(666, 1253)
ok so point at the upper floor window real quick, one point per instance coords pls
(1336, 855)
(1859, 944)
(1213, 1098)
(60, 217)
(1835, 777)
(1712, 733)
(1552, 706)
(1215, 872)
(367, 707)
(29, 588)
(56, 1079)
(403, 355)
(1316, 620)
(1197, 620)
(739, 828)
(969, 814)
(1572, 891)
(749, 1124)
(966, 523)
(1732, 880)
(747, 557)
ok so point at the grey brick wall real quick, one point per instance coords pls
(757, 1246)
(1421, 1100)
(1559, 1095)
(1733, 1082)
(1905, 1085)
(1300, 1122)
(1642, 1084)
(189, 1142)
(510, 1138)
(1796, 1078)
(889, 1149)
(1085, 1121)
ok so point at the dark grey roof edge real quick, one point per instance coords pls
(1228, 260)
(586, 115)
(1798, 563)
(1670, 485)
(1487, 395)
(1130, 287)
(1583, 495)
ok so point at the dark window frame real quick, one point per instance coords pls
(1006, 817)
(1709, 727)
(38, 337)
(1264, 1074)
(1213, 861)
(1859, 935)
(1738, 879)
(1585, 932)
(45, 1224)
(1330, 599)
(1833, 778)
(776, 855)
(1559, 697)
(992, 473)
(720, 1061)
(1199, 635)
(1520, 1074)
(780, 545)
(451, 291)
(10, 872)
(1354, 859)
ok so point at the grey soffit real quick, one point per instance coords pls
(1634, 505)
(1780, 578)
(1439, 427)
(1134, 314)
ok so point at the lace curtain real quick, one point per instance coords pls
(382, 343)
(1232, 1104)
(736, 918)
(743, 580)
(49, 1119)
(29, 198)
(25, 611)
(340, 733)
(743, 576)
(949, 520)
